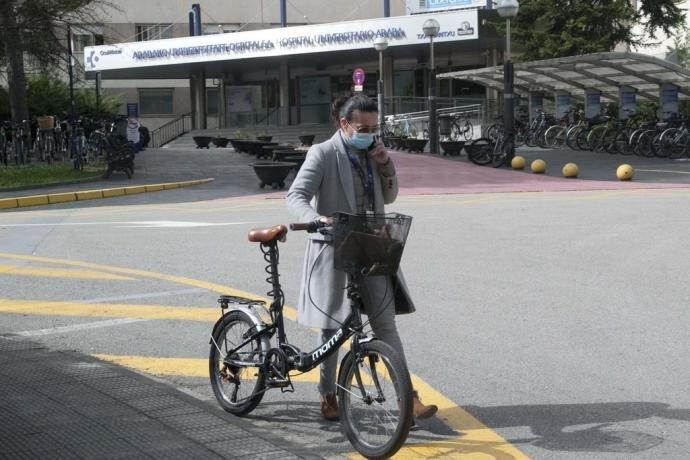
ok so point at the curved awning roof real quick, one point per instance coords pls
(603, 71)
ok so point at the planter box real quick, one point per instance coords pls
(202, 141)
(416, 145)
(264, 138)
(272, 173)
(452, 147)
(307, 139)
(281, 153)
(257, 148)
(298, 160)
(221, 141)
(394, 142)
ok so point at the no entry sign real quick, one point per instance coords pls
(358, 76)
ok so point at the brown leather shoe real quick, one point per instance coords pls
(329, 407)
(419, 410)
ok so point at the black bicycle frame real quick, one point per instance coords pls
(305, 362)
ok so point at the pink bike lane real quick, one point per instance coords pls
(427, 175)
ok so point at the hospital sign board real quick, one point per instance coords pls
(339, 36)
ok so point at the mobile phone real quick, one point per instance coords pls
(373, 144)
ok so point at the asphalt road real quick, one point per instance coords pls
(559, 320)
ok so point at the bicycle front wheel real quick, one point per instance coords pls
(375, 399)
(237, 377)
(480, 151)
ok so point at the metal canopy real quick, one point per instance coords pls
(602, 71)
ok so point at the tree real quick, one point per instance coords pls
(681, 48)
(49, 95)
(547, 29)
(37, 30)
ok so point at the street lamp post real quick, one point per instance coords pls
(74, 154)
(380, 44)
(508, 9)
(431, 28)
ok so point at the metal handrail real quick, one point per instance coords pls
(424, 115)
(267, 117)
(416, 121)
(171, 130)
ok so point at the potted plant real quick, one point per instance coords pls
(307, 139)
(394, 140)
(202, 141)
(238, 139)
(220, 141)
(272, 173)
(264, 137)
(451, 147)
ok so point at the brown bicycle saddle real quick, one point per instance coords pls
(266, 235)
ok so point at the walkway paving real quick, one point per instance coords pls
(58, 404)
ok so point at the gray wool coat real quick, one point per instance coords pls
(323, 186)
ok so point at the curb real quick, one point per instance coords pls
(53, 184)
(52, 198)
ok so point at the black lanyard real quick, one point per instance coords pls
(368, 183)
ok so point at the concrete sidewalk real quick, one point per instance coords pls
(58, 404)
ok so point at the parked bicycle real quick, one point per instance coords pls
(485, 151)
(374, 390)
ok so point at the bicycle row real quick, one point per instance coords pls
(48, 139)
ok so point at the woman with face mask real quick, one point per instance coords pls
(353, 173)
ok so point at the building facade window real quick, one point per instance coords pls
(146, 32)
(83, 40)
(156, 101)
(212, 101)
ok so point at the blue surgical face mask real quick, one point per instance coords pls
(361, 141)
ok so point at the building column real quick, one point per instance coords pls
(200, 98)
(668, 101)
(627, 102)
(192, 100)
(592, 103)
(562, 99)
(536, 103)
(284, 94)
(222, 105)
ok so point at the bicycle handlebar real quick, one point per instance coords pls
(309, 227)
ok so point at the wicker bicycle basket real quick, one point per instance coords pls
(46, 122)
(370, 245)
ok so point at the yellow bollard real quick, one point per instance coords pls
(538, 166)
(518, 162)
(570, 170)
(625, 172)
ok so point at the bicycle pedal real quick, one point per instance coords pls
(278, 383)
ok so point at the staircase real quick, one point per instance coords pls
(281, 134)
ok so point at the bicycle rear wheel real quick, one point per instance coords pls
(375, 399)
(238, 388)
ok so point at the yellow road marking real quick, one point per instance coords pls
(52, 308)
(477, 440)
(288, 312)
(663, 171)
(59, 273)
(182, 367)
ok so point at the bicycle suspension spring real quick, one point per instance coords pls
(269, 252)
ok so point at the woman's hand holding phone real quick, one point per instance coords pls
(378, 151)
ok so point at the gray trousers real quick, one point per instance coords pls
(383, 325)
